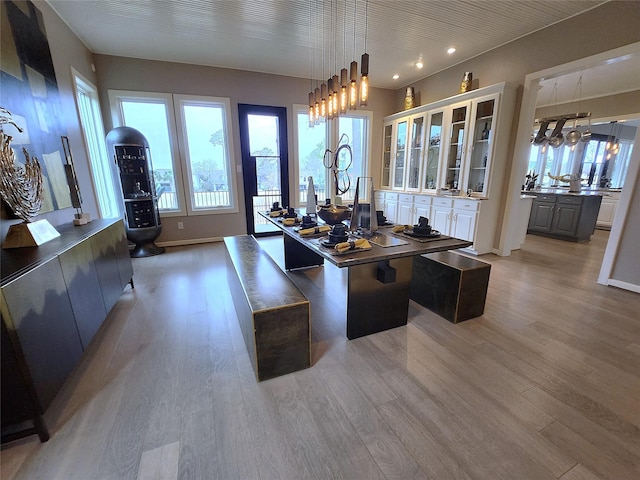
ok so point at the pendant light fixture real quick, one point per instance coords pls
(353, 86)
(364, 79)
(364, 62)
(336, 95)
(339, 93)
(330, 97)
(316, 119)
(344, 98)
(323, 102)
(312, 109)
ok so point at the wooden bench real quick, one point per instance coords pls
(450, 284)
(274, 315)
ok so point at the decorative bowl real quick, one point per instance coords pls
(332, 214)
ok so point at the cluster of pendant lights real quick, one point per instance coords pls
(340, 94)
(612, 146)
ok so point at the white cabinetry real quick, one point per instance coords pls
(421, 207)
(464, 147)
(441, 214)
(607, 211)
(388, 203)
(456, 217)
(399, 154)
(464, 216)
(433, 154)
(387, 139)
(415, 154)
(469, 146)
(405, 209)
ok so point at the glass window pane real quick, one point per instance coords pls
(312, 143)
(207, 156)
(355, 129)
(151, 119)
(93, 130)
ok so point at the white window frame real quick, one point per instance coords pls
(116, 97)
(179, 101)
(331, 142)
(366, 154)
(103, 175)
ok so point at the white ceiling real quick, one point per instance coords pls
(613, 76)
(274, 36)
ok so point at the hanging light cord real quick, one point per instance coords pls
(366, 24)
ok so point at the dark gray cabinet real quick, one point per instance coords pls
(541, 216)
(54, 299)
(563, 216)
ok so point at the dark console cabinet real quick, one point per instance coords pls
(54, 299)
(567, 217)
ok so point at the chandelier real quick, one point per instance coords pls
(340, 92)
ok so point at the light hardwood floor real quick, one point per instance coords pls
(546, 384)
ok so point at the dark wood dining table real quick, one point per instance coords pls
(378, 280)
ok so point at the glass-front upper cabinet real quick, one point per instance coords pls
(483, 118)
(400, 157)
(416, 142)
(385, 181)
(435, 125)
(452, 180)
(484, 110)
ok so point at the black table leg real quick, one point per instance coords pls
(373, 306)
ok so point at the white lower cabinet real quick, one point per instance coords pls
(405, 209)
(421, 207)
(465, 214)
(455, 217)
(388, 203)
(607, 210)
(441, 214)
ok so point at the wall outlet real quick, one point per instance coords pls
(180, 226)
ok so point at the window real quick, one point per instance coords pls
(621, 164)
(104, 182)
(189, 144)
(311, 144)
(204, 125)
(559, 161)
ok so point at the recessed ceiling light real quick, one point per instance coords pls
(451, 50)
(419, 64)
(396, 76)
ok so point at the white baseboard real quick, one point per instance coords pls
(193, 241)
(624, 285)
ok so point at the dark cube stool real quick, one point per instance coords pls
(450, 284)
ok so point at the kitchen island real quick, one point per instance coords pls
(379, 279)
(565, 215)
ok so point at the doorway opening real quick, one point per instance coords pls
(265, 163)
